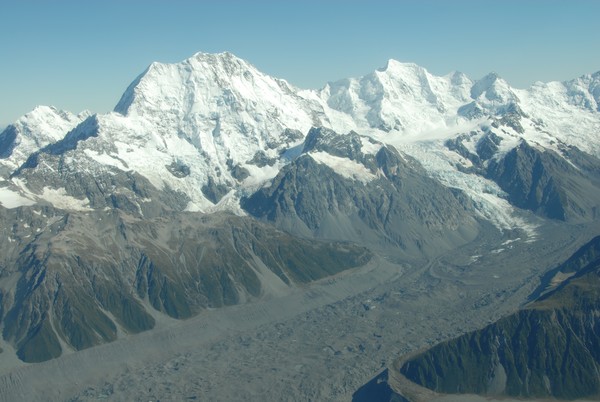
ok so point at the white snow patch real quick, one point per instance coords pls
(60, 199)
(368, 147)
(260, 175)
(193, 207)
(440, 132)
(105, 159)
(473, 259)
(511, 241)
(344, 166)
(57, 197)
(230, 202)
(11, 199)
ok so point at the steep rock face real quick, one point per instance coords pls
(76, 280)
(549, 349)
(354, 188)
(550, 184)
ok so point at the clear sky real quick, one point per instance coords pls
(83, 54)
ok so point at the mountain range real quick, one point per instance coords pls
(213, 128)
(212, 184)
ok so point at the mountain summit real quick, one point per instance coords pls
(211, 86)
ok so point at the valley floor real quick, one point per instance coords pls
(321, 342)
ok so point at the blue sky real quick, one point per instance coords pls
(79, 55)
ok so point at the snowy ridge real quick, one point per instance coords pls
(565, 112)
(40, 127)
(402, 97)
(213, 127)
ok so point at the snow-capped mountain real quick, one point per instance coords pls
(136, 205)
(401, 97)
(215, 114)
(195, 127)
(213, 128)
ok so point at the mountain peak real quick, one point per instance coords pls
(493, 89)
(393, 63)
(217, 57)
(585, 91)
(485, 83)
(398, 68)
(42, 126)
(201, 60)
(176, 87)
(42, 112)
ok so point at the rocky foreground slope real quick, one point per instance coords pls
(73, 280)
(551, 348)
